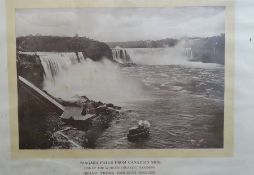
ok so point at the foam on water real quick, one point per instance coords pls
(97, 80)
(166, 56)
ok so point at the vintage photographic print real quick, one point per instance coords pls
(121, 78)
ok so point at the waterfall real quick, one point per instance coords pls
(54, 63)
(166, 56)
(121, 56)
(159, 56)
(153, 56)
(70, 75)
(188, 53)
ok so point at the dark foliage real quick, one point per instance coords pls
(168, 42)
(91, 48)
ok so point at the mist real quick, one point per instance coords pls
(157, 56)
(167, 56)
(101, 81)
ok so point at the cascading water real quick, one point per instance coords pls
(120, 55)
(166, 56)
(173, 98)
(54, 63)
(69, 75)
(159, 56)
(188, 52)
(153, 56)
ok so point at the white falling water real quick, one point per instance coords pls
(68, 76)
(120, 55)
(53, 63)
(166, 56)
(159, 56)
(188, 52)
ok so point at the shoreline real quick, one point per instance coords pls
(82, 131)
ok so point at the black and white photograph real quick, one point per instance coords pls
(121, 78)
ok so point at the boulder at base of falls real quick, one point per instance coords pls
(84, 116)
(84, 106)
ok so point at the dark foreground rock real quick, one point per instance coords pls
(84, 124)
(30, 67)
(127, 64)
(42, 127)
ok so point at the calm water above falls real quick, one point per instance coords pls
(185, 107)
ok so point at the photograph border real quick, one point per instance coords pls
(226, 151)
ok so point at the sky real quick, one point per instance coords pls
(123, 24)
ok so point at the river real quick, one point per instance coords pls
(183, 100)
(185, 108)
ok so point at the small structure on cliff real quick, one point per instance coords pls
(73, 115)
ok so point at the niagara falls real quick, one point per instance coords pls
(120, 81)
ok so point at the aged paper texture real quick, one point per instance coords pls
(120, 78)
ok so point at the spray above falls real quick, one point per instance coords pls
(160, 56)
(54, 63)
(69, 75)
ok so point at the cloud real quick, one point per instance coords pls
(122, 24)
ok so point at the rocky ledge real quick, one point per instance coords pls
(83, 122)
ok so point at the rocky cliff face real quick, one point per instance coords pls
(96, 51)
(41, 129)
(30, 67)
